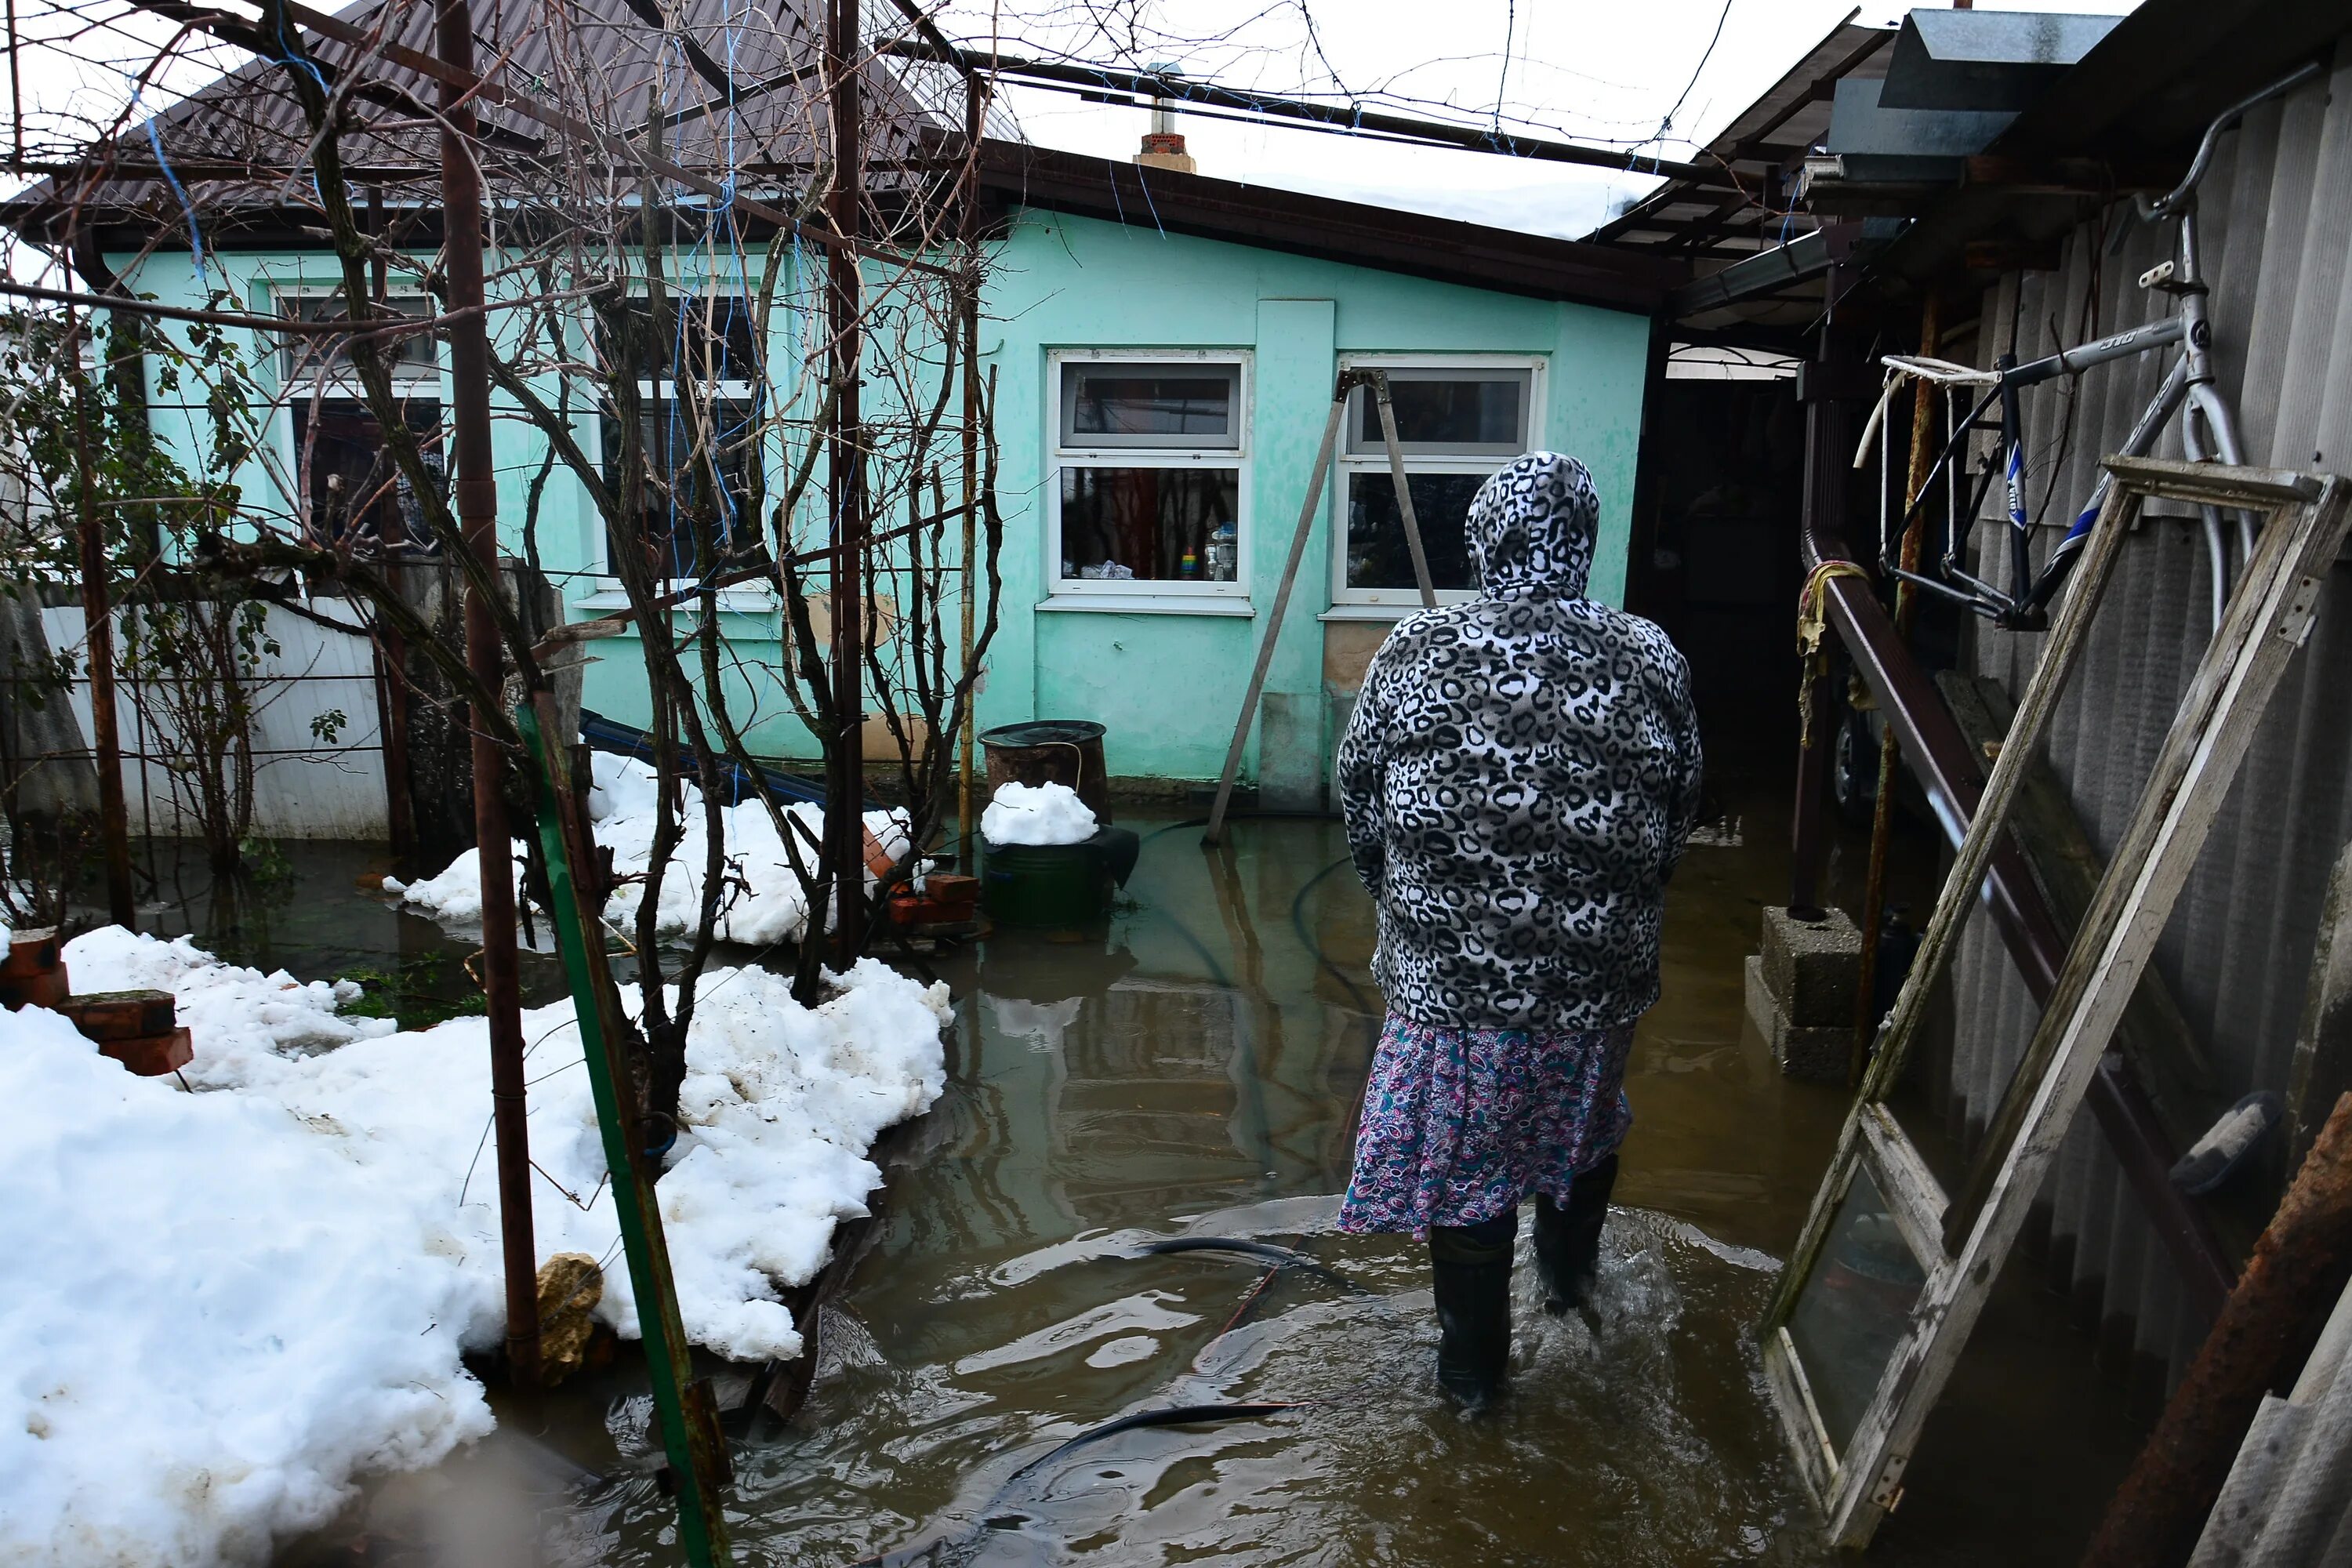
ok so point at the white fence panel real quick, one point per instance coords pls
(303, 786)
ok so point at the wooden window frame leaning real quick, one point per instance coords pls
(1960, 1243)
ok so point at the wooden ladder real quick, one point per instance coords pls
(1889, 1275)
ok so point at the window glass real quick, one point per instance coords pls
(1479, 412)
(1855, 1309)
(1127, 404)
(682, 462)
(701, 338)
(1157, 525)
(305, 354)
(1378, 554)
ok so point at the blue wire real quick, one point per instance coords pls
(195, 231)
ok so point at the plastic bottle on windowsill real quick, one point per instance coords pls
(1221, 554)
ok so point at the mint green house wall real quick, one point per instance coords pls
(1170, 685)
(1167, 683)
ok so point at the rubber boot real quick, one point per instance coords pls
(1471, 1267)
(1567, 1241)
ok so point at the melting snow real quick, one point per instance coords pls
(1049, 813)
(225, 1306)
(762, 905)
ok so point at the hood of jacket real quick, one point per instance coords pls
(1532, 528)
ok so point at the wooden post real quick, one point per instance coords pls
(845, 819)
(1379, 380)
(477, 517)
(966, 856)
(1216, 828)
(1890, 750)
(2296, 1270)
(97, 627)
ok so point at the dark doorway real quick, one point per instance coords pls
(1717, 561)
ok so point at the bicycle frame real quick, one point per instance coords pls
(2209, 425)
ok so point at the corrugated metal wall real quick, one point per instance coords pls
(2276, 228)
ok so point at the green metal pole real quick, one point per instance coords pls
(689, 1418)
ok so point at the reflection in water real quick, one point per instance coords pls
(1194, 1070)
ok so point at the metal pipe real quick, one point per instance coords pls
(844, 839)
(477, 517)
(97, 628)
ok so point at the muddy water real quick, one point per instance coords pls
(1193, 1071)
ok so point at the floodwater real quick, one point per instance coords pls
(1194, 1070)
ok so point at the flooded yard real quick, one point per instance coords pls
(1193, 1072)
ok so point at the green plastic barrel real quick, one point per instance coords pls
(1053, 885)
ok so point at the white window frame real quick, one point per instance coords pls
(743, 598)
(407, 374)
(1201, 597)
(1389, 604)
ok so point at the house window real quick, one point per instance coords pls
(1457, 421)
(351, 492)
(1149, 493)
(700, 424)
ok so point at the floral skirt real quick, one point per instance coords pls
(1460, 1125)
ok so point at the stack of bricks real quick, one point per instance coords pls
(137, 1028)
(949, 905)
(1800, 992)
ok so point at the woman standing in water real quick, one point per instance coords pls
(1518, 778)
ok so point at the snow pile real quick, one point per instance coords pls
(1049, 813)
(762, 903)
(214, 1319)
(228, 1304)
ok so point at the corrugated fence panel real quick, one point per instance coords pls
(2277, 228)
(317, 745)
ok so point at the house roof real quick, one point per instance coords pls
(733, 83)
(1359, 234)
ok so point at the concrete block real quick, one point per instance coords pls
(1811, 968)
(1817, 1053)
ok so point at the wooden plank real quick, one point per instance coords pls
(2267, 617)
(1800, 1417)
(1913, 1195)
(2215, 484)
(2320, 1068)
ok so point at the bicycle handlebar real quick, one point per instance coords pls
(2150, 211)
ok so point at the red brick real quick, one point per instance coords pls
(950, 890)
(35, 989)
(121, 1015)
(153, 1056)
(31, 952)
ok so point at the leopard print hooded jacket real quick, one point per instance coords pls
(1519, 777)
